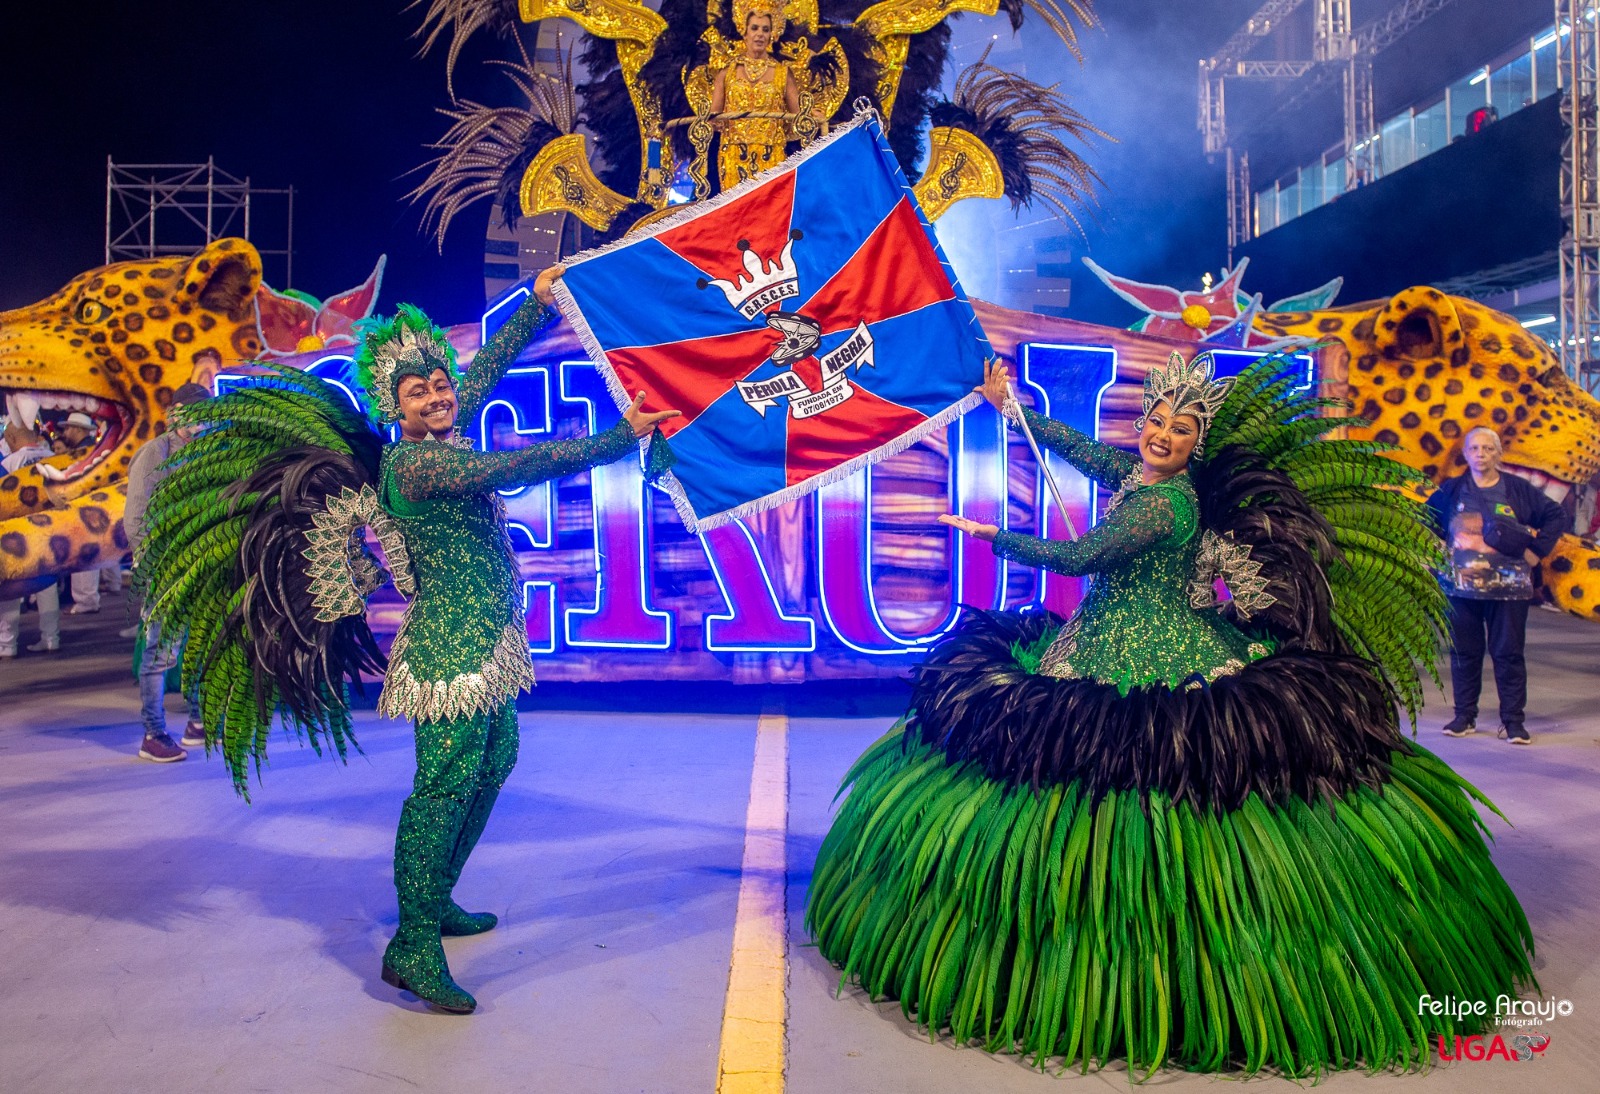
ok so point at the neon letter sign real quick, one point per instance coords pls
(1068, 383)
(621, 615)
(754, 621)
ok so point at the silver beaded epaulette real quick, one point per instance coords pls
(342, 570)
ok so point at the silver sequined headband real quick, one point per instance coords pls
(405, 354)
(1186, 387)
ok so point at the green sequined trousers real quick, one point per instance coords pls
(466, 760)
(461, 656)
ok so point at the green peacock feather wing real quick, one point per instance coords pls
(1385, 603)
(224, 561)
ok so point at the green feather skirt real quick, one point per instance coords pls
(1294, 937)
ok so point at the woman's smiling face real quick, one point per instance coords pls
(1167, 440)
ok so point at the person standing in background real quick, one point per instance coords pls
(1497, 528)
(79, 432)
(148, 468)
(21, 445)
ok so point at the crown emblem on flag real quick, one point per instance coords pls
(763, 283)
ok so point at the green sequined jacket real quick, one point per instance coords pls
(1136, 626)
(462, 647)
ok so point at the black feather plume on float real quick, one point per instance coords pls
(508, 195)
(1314, 726)
(1023, 124)
(919, 85)
(606, 113)
(487, 149)
(860, 51)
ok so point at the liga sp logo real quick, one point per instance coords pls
(1477, 1048)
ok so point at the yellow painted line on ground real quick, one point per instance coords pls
(751, 1059)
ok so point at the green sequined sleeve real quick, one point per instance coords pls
(1103, 463)
(1144, 519)
(430, 470)
(491, 362)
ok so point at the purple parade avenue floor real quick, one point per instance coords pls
(158, 934)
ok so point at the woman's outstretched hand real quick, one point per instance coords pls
(996, 386)
(644, 421)
(543, 285)
(985, 532)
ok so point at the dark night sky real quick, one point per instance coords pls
(331, 98)
(327, 97)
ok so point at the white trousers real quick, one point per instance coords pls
(86, 590)
(49, 601)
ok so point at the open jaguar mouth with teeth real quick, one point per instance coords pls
(1555, 489)
(112, 421)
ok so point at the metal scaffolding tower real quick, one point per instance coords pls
(1578, 68)
(1339, 51)
(155, 209)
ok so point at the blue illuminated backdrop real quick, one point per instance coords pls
(613, 585)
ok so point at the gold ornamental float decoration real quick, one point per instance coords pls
(893, 22)
(559, 180)
(794, 80)
(959, 166)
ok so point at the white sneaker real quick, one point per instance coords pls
(82, 609)
(45, 645)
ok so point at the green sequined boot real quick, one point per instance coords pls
(415, 960)
(454, 920)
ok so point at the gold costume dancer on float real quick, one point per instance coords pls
(758, 82)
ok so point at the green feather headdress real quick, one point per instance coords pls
(408, 344)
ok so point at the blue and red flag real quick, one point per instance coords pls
(806, 323)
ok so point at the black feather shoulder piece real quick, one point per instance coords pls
(1248, 506)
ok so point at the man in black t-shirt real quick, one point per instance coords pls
(1498, 527)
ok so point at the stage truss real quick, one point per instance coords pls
(1578, 68)
(155, 209)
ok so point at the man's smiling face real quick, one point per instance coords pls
(427, 405)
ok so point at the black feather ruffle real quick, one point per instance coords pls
(1262, 509)
(919, 87)
(508, 195)
(1302, 723)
